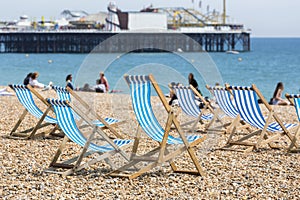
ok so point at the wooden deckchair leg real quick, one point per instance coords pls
(52, 132)
(81, 156)
(163, 143)
(59, 151)
(188, 147)
(19, 122)
(293, 142)
(263, 132)
(136, 142)
(196, 122)
(234, 127)
(233, 124)
(210, 123)
(38, 125)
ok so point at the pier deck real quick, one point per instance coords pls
(87, 41)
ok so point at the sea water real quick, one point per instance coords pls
(270, 60)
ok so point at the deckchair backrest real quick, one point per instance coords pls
(296, 98)
(62, 93)
(187, 100)
(67, 123)
(247, 105)
(25, 97)
(140, 88)
(223, 98)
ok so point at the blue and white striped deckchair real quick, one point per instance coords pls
(66, 93)
(295, 100)
(188, 104)
(225, 103)
(140, 87)
(24, 94)
(246, 101)
(223, 99)
(66, 122)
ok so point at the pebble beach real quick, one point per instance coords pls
(261, 174)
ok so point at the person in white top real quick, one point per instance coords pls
(34, 82)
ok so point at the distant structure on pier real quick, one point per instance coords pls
(80, 32)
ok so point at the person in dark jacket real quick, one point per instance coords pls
(69, 82)
(26, 80)
(193, 82)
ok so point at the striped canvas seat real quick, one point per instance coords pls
(140, 87)
(246, 102)
(226, 105)
(295, 100)
(25, 97)
(187, 102)
(64, 94)
(247, 105)
(66, 122)
(224, 101)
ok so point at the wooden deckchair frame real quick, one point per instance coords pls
(163, 154)
(33, 131)
(262, 139)
(293, 147)
(93, 112)
(208, 106)
(72, 168)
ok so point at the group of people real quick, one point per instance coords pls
(275, 100)
(101, 86)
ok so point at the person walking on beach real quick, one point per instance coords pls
(277, 99)
(69, 83)
(104, 81)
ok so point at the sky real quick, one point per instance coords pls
(266, 18)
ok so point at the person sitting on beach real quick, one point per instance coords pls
(99, 87)
(27, 78)
(276, 99)
(36, 84)
(69, 82)
(87, 88)
(103, 81)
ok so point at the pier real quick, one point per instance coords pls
(87, 41)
